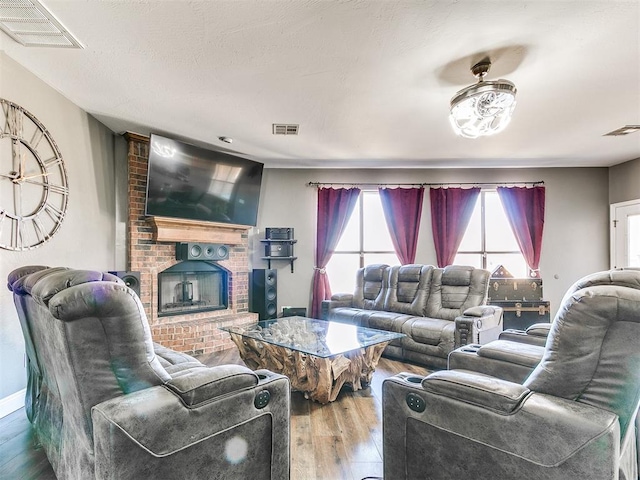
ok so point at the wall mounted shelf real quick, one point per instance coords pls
(282, 248)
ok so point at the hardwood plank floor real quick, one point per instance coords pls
(341, 440)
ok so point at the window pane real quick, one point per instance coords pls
(514, 262)
(471, 259)
(472, 240)
(342, 272)
(499, 235)
(350, 240)
(388, 258)
(376, 233)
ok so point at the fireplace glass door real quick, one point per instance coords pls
(192, 286)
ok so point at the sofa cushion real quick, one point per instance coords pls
(431, 331)
(512, 352)
(174, 362)
(389, 321)
(355, 316)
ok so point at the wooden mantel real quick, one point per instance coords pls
(179, 230)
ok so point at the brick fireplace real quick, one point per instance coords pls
(151, 250)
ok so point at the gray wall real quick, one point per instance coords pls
(87, 236)
(575, 241)
(624, 181)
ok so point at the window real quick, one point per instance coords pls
(366, 240)
(489, 240)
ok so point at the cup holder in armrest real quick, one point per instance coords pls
(471, 348)
(414, 379)
(261, 376)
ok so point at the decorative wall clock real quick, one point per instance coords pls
(33, 181)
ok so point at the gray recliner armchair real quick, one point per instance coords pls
(573, 417)
(107, 403)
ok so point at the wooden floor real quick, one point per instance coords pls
(338, 441)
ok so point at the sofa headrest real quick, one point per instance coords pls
(15, 278)
(24, 285)
(624, 277)
(54, 281)
(374, 272)
(457, 275)
(412, 273)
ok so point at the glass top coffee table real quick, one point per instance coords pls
(319, 357)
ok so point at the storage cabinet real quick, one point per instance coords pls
(521, 314)
(520, 298)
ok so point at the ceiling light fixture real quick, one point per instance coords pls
(626, 130)
(484, 108)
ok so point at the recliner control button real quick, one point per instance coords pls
(262, 399)
(416, 403)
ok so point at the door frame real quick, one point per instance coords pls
(612, 227)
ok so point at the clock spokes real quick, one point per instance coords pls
(28, 177)
(15, 177)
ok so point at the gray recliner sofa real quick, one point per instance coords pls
(106, 402)
(575, 415)
(438, 309)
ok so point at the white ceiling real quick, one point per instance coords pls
(369, 82)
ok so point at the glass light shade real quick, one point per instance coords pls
(483, 109)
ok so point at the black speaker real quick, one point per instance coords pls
(263, 293)
(201, 251)
(130, 279)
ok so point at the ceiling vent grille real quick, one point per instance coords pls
(285, 129)
(626, 130)
(30, 24)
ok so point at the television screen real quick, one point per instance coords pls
(185, 181)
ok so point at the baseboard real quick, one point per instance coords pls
(13, 402)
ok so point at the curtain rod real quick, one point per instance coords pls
(375, 184)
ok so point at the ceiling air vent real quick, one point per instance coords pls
(626, 130)
(285, 129)
(29, 23)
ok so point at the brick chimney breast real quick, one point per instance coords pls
(151, 246)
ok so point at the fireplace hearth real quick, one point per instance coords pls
(192, 286)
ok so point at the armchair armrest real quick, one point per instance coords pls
(484, 391)
(539, 330)
(204, 384)
(337, 300)
(479, 324)
(342, 297)
(461, 426)
(173, 431)
(535, 334)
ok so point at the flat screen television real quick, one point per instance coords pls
(190, 182)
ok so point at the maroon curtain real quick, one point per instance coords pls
(402, 209)
(451, 210)
(525, 210)
(334, 209)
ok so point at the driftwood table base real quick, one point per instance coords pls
(319, 378)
